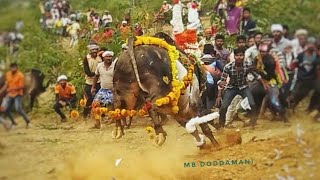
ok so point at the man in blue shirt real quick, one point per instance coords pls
(211, 67)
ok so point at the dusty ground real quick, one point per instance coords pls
(74, 151)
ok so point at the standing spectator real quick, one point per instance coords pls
(279, 41)
(65, 96)
(138, 29)
(234, 14)
(55, 14)
(165, 7)
(252, 52)
(104, 71)
(90, 63)
(58, 25)
(241, 43)
(108, 32)
(73, 31)
(222, 53)
(248, 25)
(124, 30)
(210, 66)
(15, 87)
(286, 33)
(96, 23)
(207, 39)
(300, 41)
(237, 72)
(106, 18)
(79, 15)
(65, 21)
(307, 63)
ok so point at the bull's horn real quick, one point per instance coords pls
(160, 139)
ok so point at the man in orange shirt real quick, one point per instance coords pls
(15, 87)
(65, 96)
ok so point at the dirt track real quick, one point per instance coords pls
(74, 151)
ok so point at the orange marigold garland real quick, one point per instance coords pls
(74, 114)
(83, 102)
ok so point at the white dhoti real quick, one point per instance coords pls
(176, 21)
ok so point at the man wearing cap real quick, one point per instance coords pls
(300, 41)
(65, 96)
(104, 71)
(14, 85)
(90, 63)
(106, 18)
(279, 41)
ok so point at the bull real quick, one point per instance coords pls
(138, 77)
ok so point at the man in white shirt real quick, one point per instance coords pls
(73, 31)
(279, 42)
(253, 51)
(106, 18)
(300, 41)
(104, 71)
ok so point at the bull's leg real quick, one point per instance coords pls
(200, 142)
(124, 121)
(129, 102)
(32, 99)
(208, 133)
(164, 118)
(129, 124)
(160, 133)
(118, 131)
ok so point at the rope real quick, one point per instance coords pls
(134, 62)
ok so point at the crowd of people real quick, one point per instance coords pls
(270, 69)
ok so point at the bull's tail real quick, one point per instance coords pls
(134, 62)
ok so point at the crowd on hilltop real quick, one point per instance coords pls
(266, 70)
(59, 18)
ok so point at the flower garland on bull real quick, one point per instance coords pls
(177, 85)
(172, 97)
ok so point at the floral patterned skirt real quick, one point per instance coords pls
(104, 97)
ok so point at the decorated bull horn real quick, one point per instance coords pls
(191, 124)
(134, 62)
(160, 139)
